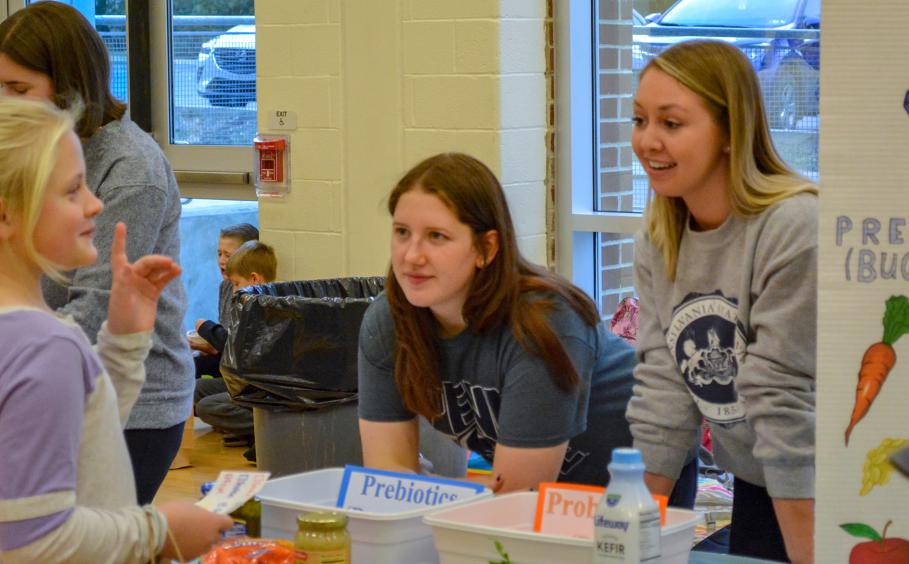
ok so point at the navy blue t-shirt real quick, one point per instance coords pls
(495, 391)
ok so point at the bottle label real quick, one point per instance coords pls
(322, 556)
(623, 536)
(649, 531)
(237, 530)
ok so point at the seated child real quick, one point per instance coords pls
(231, 237)
(253, 263)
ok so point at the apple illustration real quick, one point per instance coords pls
(880, 549)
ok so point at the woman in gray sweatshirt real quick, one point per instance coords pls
(726, 270)
(50, 51)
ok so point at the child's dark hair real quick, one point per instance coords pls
(242, 231)
(253, 256)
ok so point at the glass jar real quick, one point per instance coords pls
(249, 515)
(322, 538)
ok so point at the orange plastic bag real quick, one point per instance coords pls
(245, 550)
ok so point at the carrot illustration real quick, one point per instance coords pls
(879, 359)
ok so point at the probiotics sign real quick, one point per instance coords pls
(368, 489)
(569, 509)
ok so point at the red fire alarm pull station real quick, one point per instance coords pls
(272, 166)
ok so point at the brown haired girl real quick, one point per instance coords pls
(48, 51)
(498, 354)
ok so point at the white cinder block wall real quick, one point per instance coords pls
(377, 86)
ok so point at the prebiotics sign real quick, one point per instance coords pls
(367, 489)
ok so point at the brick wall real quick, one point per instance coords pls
(379, 86)
(614, 111)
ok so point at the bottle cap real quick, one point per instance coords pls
(322, 520)
(206, 487)
(626, 456)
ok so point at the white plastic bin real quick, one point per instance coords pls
(378, 538)
(466, 535)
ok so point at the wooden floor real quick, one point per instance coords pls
(203, 451)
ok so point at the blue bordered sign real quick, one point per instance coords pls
(380, 491)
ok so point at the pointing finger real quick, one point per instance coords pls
(118, 247)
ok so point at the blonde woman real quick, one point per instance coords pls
(726, 272)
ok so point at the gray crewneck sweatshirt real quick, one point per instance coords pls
(126, 169)
(732, 340)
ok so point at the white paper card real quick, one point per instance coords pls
(233, 489)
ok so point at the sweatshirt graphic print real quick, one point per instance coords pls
(708, 343)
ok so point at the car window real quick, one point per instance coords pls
(730, 13)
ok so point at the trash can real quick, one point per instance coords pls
(291, 356)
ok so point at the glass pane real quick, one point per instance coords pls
(615, 265)
(787, 62)
(200, 224)
(109, 19)
(213, 73)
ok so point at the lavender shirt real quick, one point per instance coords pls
(62, 411)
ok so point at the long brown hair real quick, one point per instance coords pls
(56, 40)
(508, 291)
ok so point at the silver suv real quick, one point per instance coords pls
(226, 70)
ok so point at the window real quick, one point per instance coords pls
(213, 79)
(602, 46)
(203, 106)
(203, 95)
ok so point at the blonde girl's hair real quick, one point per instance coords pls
(758, 177)
(30, 133)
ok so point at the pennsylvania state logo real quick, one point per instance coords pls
(708, 344)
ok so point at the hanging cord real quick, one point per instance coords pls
(152, 549)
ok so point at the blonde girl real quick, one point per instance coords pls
(67, 493)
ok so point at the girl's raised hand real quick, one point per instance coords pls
(136, 287)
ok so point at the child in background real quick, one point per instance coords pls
(726, 272)
(253, 263)
(230, 239)
(67, 493)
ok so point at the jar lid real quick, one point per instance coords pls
(322, 520)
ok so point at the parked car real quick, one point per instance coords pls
(788, 68)
(226, 70)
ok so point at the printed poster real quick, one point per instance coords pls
(863, 313)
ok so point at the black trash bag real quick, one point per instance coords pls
(293, 345)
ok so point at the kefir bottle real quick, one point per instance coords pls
(626, 526)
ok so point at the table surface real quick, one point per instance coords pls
(713, 558)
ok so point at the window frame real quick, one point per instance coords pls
(148, 25)
(579, 223)
(191, 163)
